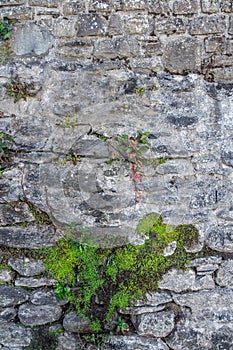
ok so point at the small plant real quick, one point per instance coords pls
(20, 89)
(139, 90)
(96, 339)
(5, 29)
(6, 143)
(121, 326)
(73, 157)
(67, 122)
(62, 291)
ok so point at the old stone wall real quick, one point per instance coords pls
(75, 74)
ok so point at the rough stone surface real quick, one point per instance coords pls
(157, 325)
(12, 296)
(35, 315)
(27, 267)
(180, 281)
(31, 282)
(46, 297)
(75, 323)
(224, 277)
(12, 335)
(133, 342)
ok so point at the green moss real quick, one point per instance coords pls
(118, 276)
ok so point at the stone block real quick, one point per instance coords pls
(151, 46)
(210, 6)
(158, 6)
(224, 277)
(224, 75)
(132, 342)
(65, 28)
(14, 336)
(205, 24)
(119, 47)
(27, 267)
(20, 13)
(11, 296)
(215, 44)
(91, 24)
(229, 48)
(46, 296)
(220, 238)
(100, 5)
(31, 39)
(31, 282)
(81, 49)
(184, 7)
(227, 6)
(10, 214)
(44, 3)
(182, 55)
(230, 28)
(136, 24)
(11, 2)
(75, 323)
(158, 324)
(36, 315)
(115, 25)
(169, 25)
(73, 7)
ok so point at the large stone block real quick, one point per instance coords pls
(44, 3)
(182, 55)
(220, 238)
(73, 7)
(10, 296)
(100, 5)
(130, 5)
(36, 315)
(30, 39)
(132, 342)
(210, 6)
(213, 24)
(115, 25)
(183, 7)
(11, 2)
(169, 25)
(224, 277)
(13, 336)
(226, 5)
(158, 324)
(113, 48)
(215, 44)
(230, 28)
(158, 6)
(137, 24)
(66, 28)
(91, 24)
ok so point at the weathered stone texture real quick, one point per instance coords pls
(27, 267)
(12, 296)
(210, 6)
(14, 336)
(75, 323)
(207, 25)
(182, 7)
(91, 24)
(169, 25)
(35, 315)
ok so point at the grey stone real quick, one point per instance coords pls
(182, 55)
(11, 2)
(73, 7)
(158, 6)
(45, 3)
(28, 237)
(7, 314)
(115, 25)
(66, 28)
(12, 296)
(210, 6)
(5, 276)
(100, 5)
(136, 24)
(46, 297)
(169, 25)
(27, 266)
(180, 281)
(31, 39)
(220, 238)
(226, 5)
(207, 25)
(158, 324)
(68, 341)
(31, 282)
(119, 47)
(91, 24)
(14, 336)
(75, 323)
(12, 214)
(131, 5)
(35, 315)
(132, 342)
(215, 44)
(224, 276)
(182, 7)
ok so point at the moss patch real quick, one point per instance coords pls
(117, 276)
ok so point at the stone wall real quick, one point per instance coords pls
(73, 76)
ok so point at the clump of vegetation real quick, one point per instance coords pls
(119, 275)
(6, 144)
(5, 29)
(20, 89)
(68, 122)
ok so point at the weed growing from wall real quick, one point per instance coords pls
(19, 89)
(6, 144)
(5, 46)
